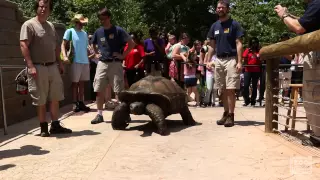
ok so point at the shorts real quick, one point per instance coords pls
(47, 86)
(190, 81)
(80, 72)
(109, 73)
(227, 76)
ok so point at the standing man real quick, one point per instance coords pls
(309, 22)
(225, 39)
(80, 68)
(111, 41)
(39, 46)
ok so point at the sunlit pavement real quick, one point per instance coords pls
(203, 152)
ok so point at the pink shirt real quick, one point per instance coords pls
(210, 72)
(189, 72)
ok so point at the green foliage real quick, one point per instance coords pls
(192, 16)
(260, 20)
(126, 13)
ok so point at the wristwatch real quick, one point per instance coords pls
(284, 16)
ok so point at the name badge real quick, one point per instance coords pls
(103, 39)
(226, 30)
(111, 36)
(216, 32)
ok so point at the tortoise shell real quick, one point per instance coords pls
(158, 90)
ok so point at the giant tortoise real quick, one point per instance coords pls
(154, 96)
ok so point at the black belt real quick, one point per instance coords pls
(225, 55)
(45, 64)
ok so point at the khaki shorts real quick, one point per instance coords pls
(226, 73)
(109, 73)
(47, 86)
(80, 72)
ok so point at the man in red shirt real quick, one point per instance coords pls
(251, 74)
(133, 63)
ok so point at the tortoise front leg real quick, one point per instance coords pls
(157, 116)
(187, 116)
(120, 117)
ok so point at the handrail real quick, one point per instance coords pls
(300, 44)
(5, 126)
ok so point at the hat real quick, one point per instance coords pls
(79, 18)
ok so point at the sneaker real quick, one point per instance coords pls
(223, 119)
(229, 121)
(56, 128)
(76, 107)
(286, 98)
(83, 107)
(44, 129)
(98, 119)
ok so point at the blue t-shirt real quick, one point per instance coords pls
(310, 20)
(80, 43)
(225, 35)
(110, 41)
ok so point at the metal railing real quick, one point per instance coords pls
(5, 126)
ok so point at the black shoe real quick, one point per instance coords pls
(98, 119)
(44, 129)
(76, 107)
(56, 128)
(83, 107)
(223, 119)
(229, 121)
(245, 104)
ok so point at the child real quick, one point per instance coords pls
(210, 98)
(190, 76)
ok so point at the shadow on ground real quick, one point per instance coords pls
(23, 151)
(27, 127)
(302, 137)
(7, 166)
(76, 134)
(149, 128)
(248, 123)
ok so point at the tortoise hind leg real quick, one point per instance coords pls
(187, 116)
(157, 116)
(120, 117)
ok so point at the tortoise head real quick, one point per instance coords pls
(137, 108)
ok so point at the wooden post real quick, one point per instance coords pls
(272, 89)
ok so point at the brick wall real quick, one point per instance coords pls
(18, 107)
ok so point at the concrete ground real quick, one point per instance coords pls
(206, 151)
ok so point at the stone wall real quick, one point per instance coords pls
(18, 107)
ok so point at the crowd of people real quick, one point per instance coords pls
(113, 60)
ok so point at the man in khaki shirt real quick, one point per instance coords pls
(40, 48)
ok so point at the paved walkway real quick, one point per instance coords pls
(202, 152)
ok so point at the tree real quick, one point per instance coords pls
(192, 16)
(260, 20)
(125, 13)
